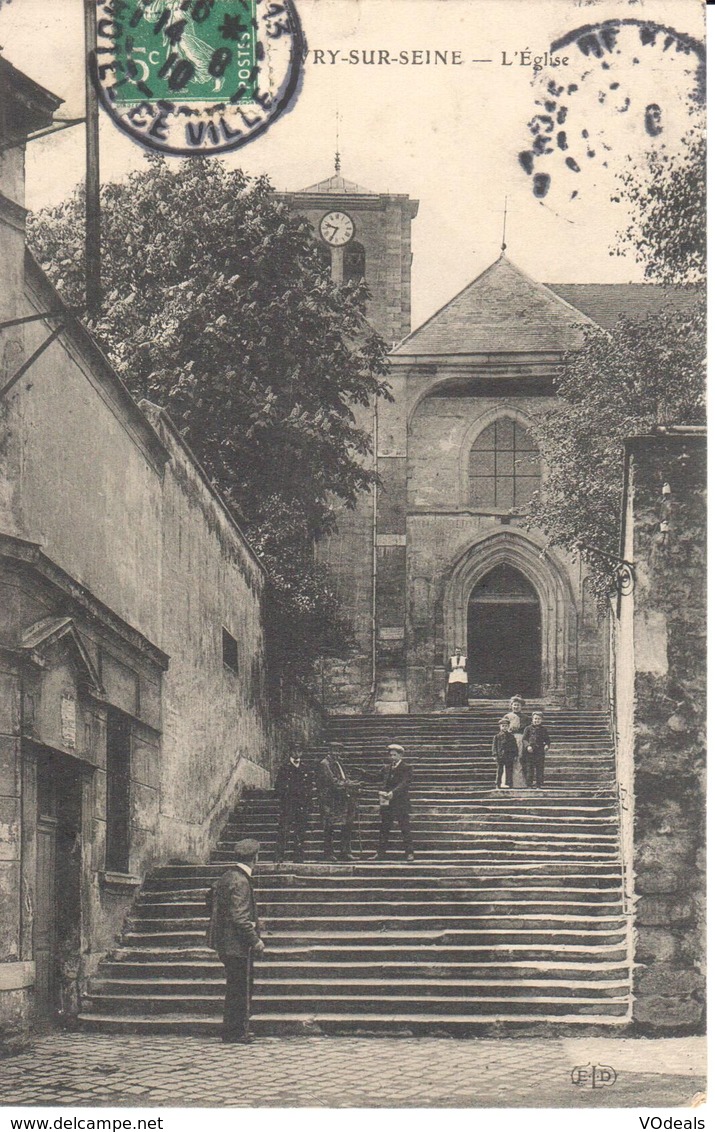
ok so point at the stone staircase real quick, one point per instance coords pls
(510, 919)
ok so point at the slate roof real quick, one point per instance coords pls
(606, 302)
(502, 310)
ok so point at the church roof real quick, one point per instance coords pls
(502, 310)
(605, 303)
(338, 184)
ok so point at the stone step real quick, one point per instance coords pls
(428, 1004)
(291, 883)
(191, 902)
(342, 917)
(449, 800)
(308, 933)
(504, 852)
(314, 904)
(489, 835)
(319, 1022)
(510, 919)
(388, 948)
(293, 986)
(544, 827)
(441, 758)
(427, 843)
(162, 964)
(268, 982)
(499, 804)
(437, 871)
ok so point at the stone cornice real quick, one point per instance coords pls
(29, 554)
(358, 202)
(478, 364)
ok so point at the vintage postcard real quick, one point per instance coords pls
(352, 554)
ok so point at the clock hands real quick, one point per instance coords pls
(336, 228)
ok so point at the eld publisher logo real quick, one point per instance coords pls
(593, 1076)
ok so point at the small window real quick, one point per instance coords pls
(324, 257)
(116, 859)
(353, 263)
(230, 651)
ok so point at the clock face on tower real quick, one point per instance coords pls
(337, 228)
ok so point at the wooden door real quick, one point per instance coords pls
(44, 929)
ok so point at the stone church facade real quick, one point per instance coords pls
(441, 556)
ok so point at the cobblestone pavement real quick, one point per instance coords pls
(81, 1070)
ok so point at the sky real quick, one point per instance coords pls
(449, 136)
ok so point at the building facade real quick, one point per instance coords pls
(134, 699)
(441, 556)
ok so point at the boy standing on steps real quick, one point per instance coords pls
(505, 751)
(536, 743)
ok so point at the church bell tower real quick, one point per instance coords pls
(367, 235)
(364, 235)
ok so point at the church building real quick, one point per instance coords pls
(441, 556)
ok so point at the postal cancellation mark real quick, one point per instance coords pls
(196, 76)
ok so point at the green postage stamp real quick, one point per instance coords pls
(191, 76)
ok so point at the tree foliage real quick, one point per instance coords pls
(642, 374)
(668, 204)
(620, 384)
(216, 306)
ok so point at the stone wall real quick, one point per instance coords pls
(121, 573)
(660, 714)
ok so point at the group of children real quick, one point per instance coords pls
(526, 747)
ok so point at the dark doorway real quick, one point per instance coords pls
(504, 635)
(57, 916)
(116, 858)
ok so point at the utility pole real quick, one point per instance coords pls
(93, 239)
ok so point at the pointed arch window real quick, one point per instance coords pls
(504, 469)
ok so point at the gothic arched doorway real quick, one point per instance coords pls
(504, 634)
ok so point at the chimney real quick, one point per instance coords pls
(24, 108)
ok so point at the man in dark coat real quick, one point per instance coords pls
(294, 788)
(337, 797)
(536, 743)
(505, 752)
(233, 932)
(395, 801)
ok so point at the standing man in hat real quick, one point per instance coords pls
(395, 801)
(337, 797)
(233, 932)
(294, 788)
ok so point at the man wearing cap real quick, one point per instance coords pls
(233, 933)
(337, 800)
(395, 801)
(294, 789)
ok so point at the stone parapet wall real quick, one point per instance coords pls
(660, 680)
